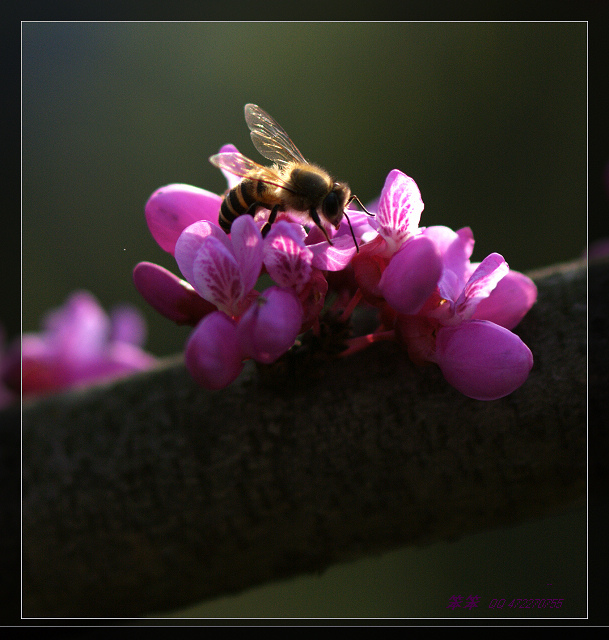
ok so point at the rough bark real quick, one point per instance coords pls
(150, 493)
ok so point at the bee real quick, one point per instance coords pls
(291, 183)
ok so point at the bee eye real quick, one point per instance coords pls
(331, 207)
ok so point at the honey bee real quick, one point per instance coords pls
(291, 183)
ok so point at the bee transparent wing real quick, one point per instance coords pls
(235, 163)
(241, 166)
(269, 138)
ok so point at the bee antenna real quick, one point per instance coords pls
(360, 204)
(352, 233)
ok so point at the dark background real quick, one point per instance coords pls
(490, 119)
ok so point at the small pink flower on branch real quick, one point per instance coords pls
(457, 326)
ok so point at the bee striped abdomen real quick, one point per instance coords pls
(237, 202)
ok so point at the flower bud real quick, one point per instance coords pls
(213, 355)
(412, 275)
(270, 325)
(169, 295)
(171, 209)
(482, 360)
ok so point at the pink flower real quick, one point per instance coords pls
(400, 265)
(464, 325)
(216, 272)
(289, 262)
(169, 211)
(399, 212)
(220, 272)
(222, 269)
(509, 301)
(411, 275)
(444, 308)
(286, 257)
(79, 345)
(219, 344)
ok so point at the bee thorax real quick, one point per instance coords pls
(310, 186)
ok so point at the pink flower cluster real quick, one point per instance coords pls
(430, 297)
(79, 344)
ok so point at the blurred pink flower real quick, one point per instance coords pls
(78, 345)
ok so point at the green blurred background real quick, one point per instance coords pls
(490, 119)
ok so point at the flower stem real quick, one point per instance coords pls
(348, 310)
(361, 342)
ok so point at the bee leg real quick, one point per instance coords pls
(251, 211)
(317, 221)
(352, 233)
(267, 225)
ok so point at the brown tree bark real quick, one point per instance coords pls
(150, 493)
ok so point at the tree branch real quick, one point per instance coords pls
(150, 493)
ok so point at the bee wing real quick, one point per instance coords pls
(235, 163)
(239, 165)
(269, 138)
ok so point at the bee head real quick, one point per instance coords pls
(335, 202)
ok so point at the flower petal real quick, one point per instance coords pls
(120, 359)
(217, 276)
(484, 279)
(400, 208)
(169, 295)
(128, 325)
(411, 275)
(213, 356)
(270, 325)
(286, 257)
(190, 241)
(247, 246)
(456, 248)
(80, 329)
(172, 208)
(333, 257)
(482, 360)
(509, 301)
